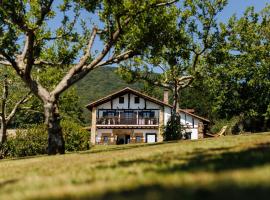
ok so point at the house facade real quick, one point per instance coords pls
(129, 116)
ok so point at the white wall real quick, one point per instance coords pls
(194, 134)
(167, 114)
(143, 131)
(99, 132)
(132, 105)
(151, 105)
(106, 105)
(117, 105)
(186, 119)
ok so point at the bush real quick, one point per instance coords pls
(34, 140)
(75, 137)
(173, 130)
(234, 125)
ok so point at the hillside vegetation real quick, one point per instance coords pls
(97, 84)
(231, 167)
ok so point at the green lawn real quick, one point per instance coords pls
(231, 167)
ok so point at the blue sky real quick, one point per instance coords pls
(239, 6)
(234, 7)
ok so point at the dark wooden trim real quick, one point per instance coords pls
(111, 103)
(126, 127)
(127, 109)
(145, 104)
(123, 92)
(150, 134)
(128, 100)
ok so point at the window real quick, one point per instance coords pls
(137, 100)
(138, 139)
(128, 114)
(147, 114)
(121, 100)
(108, 113)
(105, 139)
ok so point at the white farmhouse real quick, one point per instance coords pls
(129, 116)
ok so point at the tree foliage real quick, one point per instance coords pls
(174, 64)
(173, 129)
(124, 27)
(238, 71)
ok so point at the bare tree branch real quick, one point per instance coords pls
(44, 11)
(25, 48)
(64, 82)
(15, 108)
(166, 3)
(6, 63)
(118, 58)
(49, 63)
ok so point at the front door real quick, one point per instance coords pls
(151, 137)
(123, 139)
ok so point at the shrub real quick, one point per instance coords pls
(173, 129)
(234, 125)
(75, 137)
(34, 140)
(27, 142)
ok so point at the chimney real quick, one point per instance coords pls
(166, 96)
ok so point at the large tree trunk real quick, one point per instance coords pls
(3, 131)
(56, 143)
(176, 100)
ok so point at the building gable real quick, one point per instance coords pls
(128, 96)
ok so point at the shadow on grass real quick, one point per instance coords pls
(158, 192)
(217, 159)
(124, 147)
(7, 182)
(203, 160)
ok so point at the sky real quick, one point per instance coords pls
(233, 7)
(239, 6)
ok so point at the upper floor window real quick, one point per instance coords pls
(137, 100)
(147, 114)
(109, 113)
(121, 100)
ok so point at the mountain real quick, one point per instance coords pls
(99, 83)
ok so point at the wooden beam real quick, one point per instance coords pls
(128, 100)
(111, 103)
(144, 103)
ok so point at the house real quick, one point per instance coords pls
(129, 116)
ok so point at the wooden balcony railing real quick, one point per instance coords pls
(127, 121)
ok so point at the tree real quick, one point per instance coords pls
(31, 113)
(9, 105)
(238, 69)
(173, 129)
(126, 29)
(174, 67)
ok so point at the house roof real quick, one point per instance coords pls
(122, 92)
(145, 96)
(193, 115)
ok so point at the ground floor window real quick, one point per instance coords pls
(105, 139)
(151, 137)
(138, 139)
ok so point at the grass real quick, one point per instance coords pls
(231, 167)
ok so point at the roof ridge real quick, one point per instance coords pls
(101, 100)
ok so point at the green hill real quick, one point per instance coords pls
(99, 83)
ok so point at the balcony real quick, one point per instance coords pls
(141, 121)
